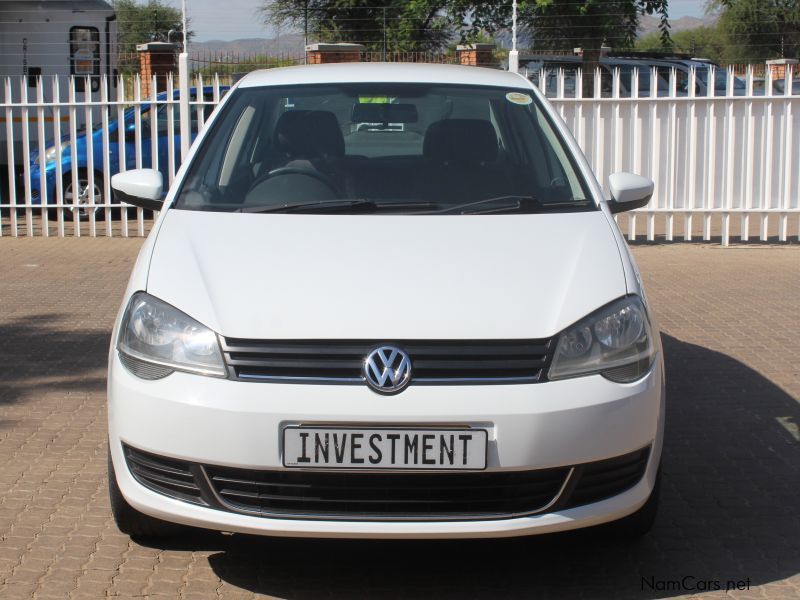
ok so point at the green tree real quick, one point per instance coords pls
(140, 23)
(758, 30)
(705, 42)
(569, 24)
(400, 25)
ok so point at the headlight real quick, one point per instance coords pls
(50, 153)
(155, 333)
(615, 341)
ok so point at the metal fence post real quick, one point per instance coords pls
(183, 85)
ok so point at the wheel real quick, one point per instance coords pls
(77, 204)
(639, 523)
(131, 521)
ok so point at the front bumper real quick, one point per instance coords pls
(36, 185)
(237, 424)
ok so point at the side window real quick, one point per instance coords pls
(645, 79)
(130, 127)
(162, 118)
(570, 81)
(606, 82)
(84, 57)
(625, 81)
(682, 82)
(560, 179)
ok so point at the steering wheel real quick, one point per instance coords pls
(299, 170)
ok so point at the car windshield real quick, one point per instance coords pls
(720, 79)
(394, 148)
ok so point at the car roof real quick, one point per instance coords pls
(634, 62)
(690, 62)
(207, 89)
(383, 73)
(607, 61)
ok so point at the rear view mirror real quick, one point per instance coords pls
(140, 187)
(629, 191)
(384, 113)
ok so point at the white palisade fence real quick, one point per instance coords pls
(725, 165)
(59, 151)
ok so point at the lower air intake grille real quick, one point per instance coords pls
(387, 496)
(393, 496)
(166, 476)
(606, 478)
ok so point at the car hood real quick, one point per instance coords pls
(289, 276)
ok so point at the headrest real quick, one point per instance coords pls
(309, 134)
(469, 140)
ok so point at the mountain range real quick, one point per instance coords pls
(292, 44)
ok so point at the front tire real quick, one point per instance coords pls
(129, 520)
(79, 204)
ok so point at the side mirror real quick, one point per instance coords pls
(629, 191)
(140, 187)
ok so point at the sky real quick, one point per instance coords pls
(225, 19)
(234, 19)
(686, 8)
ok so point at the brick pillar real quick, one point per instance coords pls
(159, 59)
(778, 68)
(320, 54)
(476, 55)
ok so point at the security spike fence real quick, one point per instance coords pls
(730, 161)
(726, 165)
(59, 200)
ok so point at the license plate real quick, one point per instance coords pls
(388, 448)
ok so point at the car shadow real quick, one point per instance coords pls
(41, 353)
(728, 516)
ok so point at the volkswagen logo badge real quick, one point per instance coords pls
(387, 370)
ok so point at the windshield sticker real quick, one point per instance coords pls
(519, 98)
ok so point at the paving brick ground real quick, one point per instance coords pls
(731, 464)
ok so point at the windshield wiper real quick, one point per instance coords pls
(485, 206)
(511, 203)
(336, 205)
(326, 205)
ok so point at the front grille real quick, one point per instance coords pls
(418, 496)
(433, 362)
(387, 496)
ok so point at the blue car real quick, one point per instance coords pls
(83, 196)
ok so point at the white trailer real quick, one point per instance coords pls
(47, 38)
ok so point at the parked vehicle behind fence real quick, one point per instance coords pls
(83, 196)
(779, 86)
(627, 64)
(569, 65)
(704, 71)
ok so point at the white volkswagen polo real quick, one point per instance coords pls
(384, 301)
